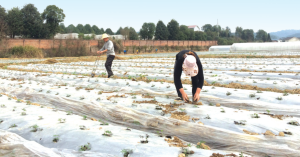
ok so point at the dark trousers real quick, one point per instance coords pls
(195, 81)
(108, 64)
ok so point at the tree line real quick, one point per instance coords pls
(29, 23)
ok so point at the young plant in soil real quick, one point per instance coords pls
(294, 123)
(241, 122)
(62, 120)
(68, 95)
(285, 94)
(222, 110)
(259, 91)
(100, 92)
(84, 117)
(82, 127)
(252, 95)
(23, 114)
(28, 103)
(3, 106)
(85, 147)
(82, 97)
(146, 139)
(41, 117)
(228, 93)
(35, 128)
(279, 98)
(200, 146)
(126, 152)
(69, 113)
(160, 133)
(158, 108)
(207, 117)
(102, 122)
(107, 133)
(255, 115)
(13, 126)
(1, 121)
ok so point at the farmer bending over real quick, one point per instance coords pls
(108, 47)
(188, 62)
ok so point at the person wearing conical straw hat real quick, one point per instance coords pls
(108, 47)
(188, 62)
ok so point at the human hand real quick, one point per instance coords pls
(197, 97)
(99, 52)
(185, 96)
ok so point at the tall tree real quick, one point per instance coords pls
(80, 28)
(88, 29)
(125, 32)
(53, 16)
(207, 28)
(14, 22)
(200, 36)
(3, 23)
(248, 35)
(184, 33)
(119, 31)
(261, 35)
(151, 30)
(96, 30)
(173, 28)
(63, 28)
(144, 31)
(109, 31)
(132, 34)
(239, 32)
(72, 29)
(269, 38)
(191, 34)
(32, 22)
(161, 32)
(102, 30)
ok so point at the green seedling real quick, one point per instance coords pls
(222, 110)
(294, 123)
(82, 97)
(160, 133)
(126, 152)
(228, 93)
(82, 127)
(199, 145)
(205, 91)
(68, 95)
(285, 94)
(23, 114)
(62, 120)
(207, 117)
(84, 117)
(279, 98)
(107, 133)
(85, 147)
(168, 86)
(3, 106)
(252, 95)
(100, 92)
(24, 109)
(259, 91)
(268, 111)
(41, 117)
(13, 126)
(69, 112)
(28, 103)
(255, 115)
(48, 91)
(102, 122)
(35, 128)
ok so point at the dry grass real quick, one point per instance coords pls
(49, 61)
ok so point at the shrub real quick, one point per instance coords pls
(25, 52)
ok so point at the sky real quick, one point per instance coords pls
(269, 15)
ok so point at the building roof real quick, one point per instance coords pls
(192, 26)
(288, 38)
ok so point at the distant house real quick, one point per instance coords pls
(291, 39)
(193, 27)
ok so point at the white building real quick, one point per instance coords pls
(266, 47)
(291, 39)
(225, 48)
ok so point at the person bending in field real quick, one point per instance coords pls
(188, 62)
(108, 47)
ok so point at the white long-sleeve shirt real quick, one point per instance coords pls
(109, 46)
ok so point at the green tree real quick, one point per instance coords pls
(261, 35)
(147, 31)
(248, 35)
(207, 28)
(102, 30)
(14, 22)
(80, 28)
(191, 34)
(173, 28)
(88, 29)
(109, 31)
(184, 33)
(132, 34)
(72, 29)
(32, 22)
(239, 32)
(161, 32)
(53, 16)
(200, 36)
(119, 31)
(96, 30)
(63, 28)
(269, 38)
(3, 24)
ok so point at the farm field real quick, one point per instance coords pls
(248, 107)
